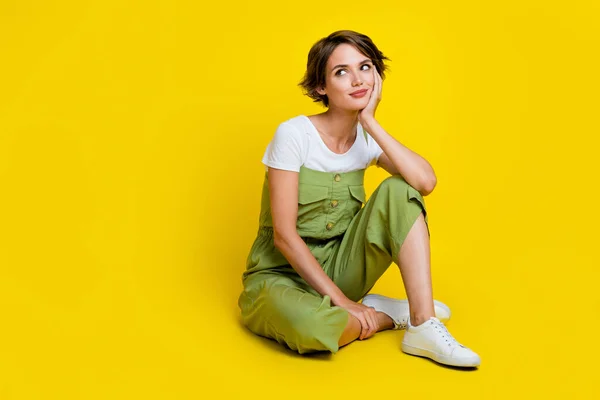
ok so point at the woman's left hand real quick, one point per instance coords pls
(368, 113)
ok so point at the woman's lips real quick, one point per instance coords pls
(359, 94)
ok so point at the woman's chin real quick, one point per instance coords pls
(357, 105)
(354, 104)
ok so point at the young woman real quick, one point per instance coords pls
(318, 251)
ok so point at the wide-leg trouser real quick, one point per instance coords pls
(279, 304)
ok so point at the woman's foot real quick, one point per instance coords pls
(431, 339)
(398, 310)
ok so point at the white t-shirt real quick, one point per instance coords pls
(297, 142)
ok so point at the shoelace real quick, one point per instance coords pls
(402, 324)
(438, 325)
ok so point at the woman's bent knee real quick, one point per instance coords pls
(394, 183)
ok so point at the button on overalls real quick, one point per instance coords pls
(353, 244)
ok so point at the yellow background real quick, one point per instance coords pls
(131, 134)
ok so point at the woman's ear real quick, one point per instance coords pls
(321, 91)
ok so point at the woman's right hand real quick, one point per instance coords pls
(367, 316)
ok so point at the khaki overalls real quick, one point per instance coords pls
(354, 245)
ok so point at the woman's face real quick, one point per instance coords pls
(347, 71)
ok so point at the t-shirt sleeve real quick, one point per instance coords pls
(286, 149)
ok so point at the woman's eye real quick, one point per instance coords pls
(338, 72)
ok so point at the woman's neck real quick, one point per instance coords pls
(339, 125)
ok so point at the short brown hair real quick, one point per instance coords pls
(319, 54)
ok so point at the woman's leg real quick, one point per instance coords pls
(414, 262)
(415, 268)
(389, 228)
(392, 226)
(426, 336)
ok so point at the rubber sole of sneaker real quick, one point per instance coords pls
(442, 311)
(416, 351)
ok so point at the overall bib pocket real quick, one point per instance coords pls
(312, 200)
(357, 198)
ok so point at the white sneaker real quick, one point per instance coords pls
(431, 339)
(398, 310)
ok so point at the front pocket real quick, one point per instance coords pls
(358, 192)
(312, 211)
(355, 200)
(311, 193)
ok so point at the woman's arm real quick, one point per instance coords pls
(283, 188)
(399, 159)
(396, 158)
